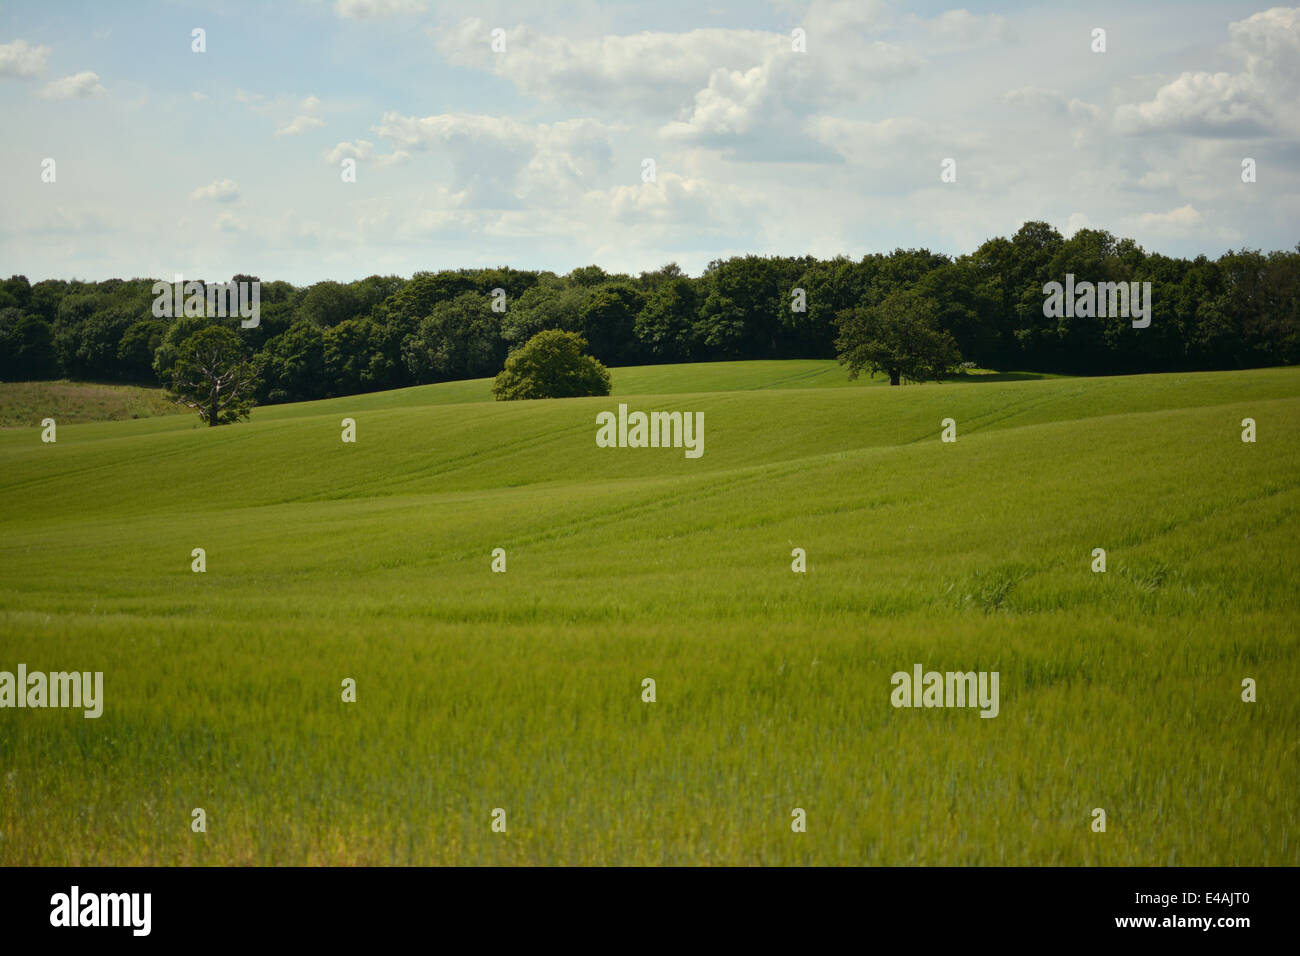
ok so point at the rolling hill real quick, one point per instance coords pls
(522, 690)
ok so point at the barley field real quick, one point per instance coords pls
(522, 690)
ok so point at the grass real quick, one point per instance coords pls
(523, 690)
(25, 404)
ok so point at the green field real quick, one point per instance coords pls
(522, 690)
(27, 403)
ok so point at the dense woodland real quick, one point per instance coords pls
(382, 332)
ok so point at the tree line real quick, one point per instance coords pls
(1237, 311)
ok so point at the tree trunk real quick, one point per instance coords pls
(212, 412)
(894, 376)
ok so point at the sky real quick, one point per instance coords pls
(490, 133)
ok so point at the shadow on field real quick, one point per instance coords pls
(999, 376)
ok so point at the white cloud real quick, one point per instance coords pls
(299, 124)
(742, 90)
(541, 166)
(497, 160)
(826, 18)
(73, 87)
(364, 150)
(863, 140)
(1081, 110)
(374, 9)
(653, 72)
(439, 214)
(759, 113)
(1259, 99)
(229, 222)
(1077, 221)
(1036, 99)
(730, 104)
(21, 59)
(673, 200)
(292, 114)
(1156, 179)
(1177, 220)
(962, 30)
(1200, 103)
(222, 190)
(659, 72)
(898, 144)
(1270, 44)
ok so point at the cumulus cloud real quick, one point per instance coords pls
(21, 59)
(673, 200)
(222, 190)
(752, 114)
(863, 140)
(719, 78)
(1259, 99)
(730, 104)
(1270, 44)
(1036, 99)
(1180, 219)
(293, 115)
(1081, 110)
(829, 16)
(364, 150)
(894, 148)
(437, 215)
(1202, 104)
(229, 222)
(73, 87)
(742, 90)
(545, 167)
(299, 124)
(1156, 179)
(1077, 221)
(374, 9)
(497, 160)
(962, 30)
(653, 72)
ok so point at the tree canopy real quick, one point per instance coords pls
(212, 376)
(898, 337)
(552, 364)
(339, 338)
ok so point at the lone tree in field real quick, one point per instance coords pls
(212, 376)
(552, 364)
(899, 337)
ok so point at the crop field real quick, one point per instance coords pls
(522, 691)
(27, 403)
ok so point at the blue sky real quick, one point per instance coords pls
(207, 164)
